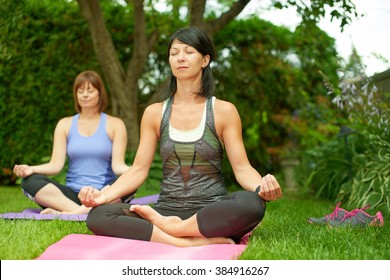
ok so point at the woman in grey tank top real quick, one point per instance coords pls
(192, 128)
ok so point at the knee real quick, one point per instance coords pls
(32, 183)
(26, 181)
(253, 207)
(96, 219)
(101, 219)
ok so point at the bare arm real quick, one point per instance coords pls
(58, 157)
(134, 177)
(117, 131)
(229, 128)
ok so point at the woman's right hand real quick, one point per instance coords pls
(91, 197)
(23, 170)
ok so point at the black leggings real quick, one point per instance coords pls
(32, 184)
(233, 217)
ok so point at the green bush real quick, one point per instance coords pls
(371, 183)
(329, 167)
(42, 50)
(362, 176)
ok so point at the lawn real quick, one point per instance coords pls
(284, 233)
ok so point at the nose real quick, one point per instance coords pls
(180, 56)
(84, 93)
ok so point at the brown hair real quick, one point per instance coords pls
(96, 81)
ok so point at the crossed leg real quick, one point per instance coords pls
(57, 203)
(160, 236)
(172, 225)
(117, 220)
(245, 211)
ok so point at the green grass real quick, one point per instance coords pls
(27, 239)
(284, 233)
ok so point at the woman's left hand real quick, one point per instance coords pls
(91, 197)
(270, 188)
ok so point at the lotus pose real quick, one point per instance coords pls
(192, 127)
(95, 144)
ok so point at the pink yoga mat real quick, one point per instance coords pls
(93, 247)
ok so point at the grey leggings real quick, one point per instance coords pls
(239, 213)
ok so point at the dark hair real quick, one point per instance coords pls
(97, 82)
(198, 39)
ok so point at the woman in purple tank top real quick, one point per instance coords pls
(94, 144)
(192, 128)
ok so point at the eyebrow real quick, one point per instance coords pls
(86, 88)
(186, 47)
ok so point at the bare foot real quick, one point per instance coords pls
(200, 241)
(168, 224)
(79, 210)
(162, 237)
(50, 211)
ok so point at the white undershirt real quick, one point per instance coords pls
(188, 135)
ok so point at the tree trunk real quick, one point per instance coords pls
(123, 85)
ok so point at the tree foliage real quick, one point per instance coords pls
(269, 72)
(43, 47)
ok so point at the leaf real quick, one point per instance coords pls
(363, 189)
(383, 207)
(375, 183)
(373, 199)
(369, 176)
(388, 205)
(346, 187)
(380, 186)
(359, 177)
(360, 160)
(386, 186)
(381, 154)
(385, 170)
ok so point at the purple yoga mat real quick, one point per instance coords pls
(149, 199)
(34, 214)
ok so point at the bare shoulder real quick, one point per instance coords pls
(154, 109)
(224, 108)
(226, 117)
(65, 122)
(151, 119)
(63, 126)
(153, 113)
(115, 121)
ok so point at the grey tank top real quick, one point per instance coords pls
(192, 176)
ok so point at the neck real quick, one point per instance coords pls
(89, 114)
(187, 90)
